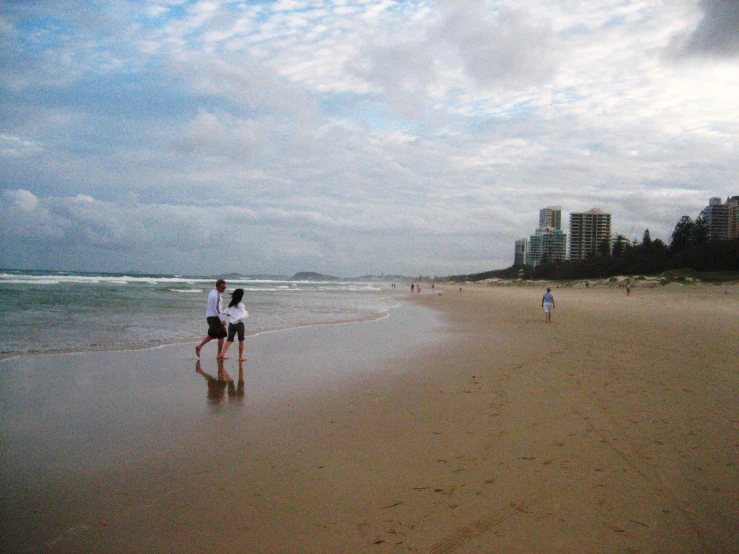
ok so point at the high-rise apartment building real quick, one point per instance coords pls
(588, 230)
(722, 220)
(733, 203)
(550, 217)
(521, 256)
(536, 249)
(716, 216)
(548, 241)
(547, 245)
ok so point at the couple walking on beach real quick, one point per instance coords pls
(235, 315)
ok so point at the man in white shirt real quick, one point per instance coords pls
(216, 320)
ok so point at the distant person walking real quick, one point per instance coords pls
(216, 321)
(547, 302)
(237, 314)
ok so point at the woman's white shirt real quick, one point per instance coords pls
(236, 313)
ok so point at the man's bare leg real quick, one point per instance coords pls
(199, 347)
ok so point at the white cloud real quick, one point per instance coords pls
(16, 146)
(421, 135)
(223, 135)
(22, 199)
(505, 47)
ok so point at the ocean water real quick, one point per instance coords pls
(44, 312)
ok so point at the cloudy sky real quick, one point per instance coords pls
(352, 137)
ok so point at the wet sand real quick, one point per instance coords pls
(613, 429)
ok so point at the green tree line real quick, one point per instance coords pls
(689, 249)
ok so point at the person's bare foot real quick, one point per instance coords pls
(221, 357)
(242, 359)
(197, 351)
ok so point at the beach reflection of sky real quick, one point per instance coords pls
(89, 411)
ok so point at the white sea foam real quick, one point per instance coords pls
(36, 282)
(88, 311)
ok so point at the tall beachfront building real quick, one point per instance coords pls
(550, 217)
(547, 245)
(549, 242)
(588, 230)
(733, 203)
(716, 216)
(521, 256)
(722, 220)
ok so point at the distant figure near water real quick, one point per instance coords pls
(547, 302)
(216, 321)
(237, 314)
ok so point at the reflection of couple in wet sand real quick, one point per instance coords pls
(217, 386)
(235, 314)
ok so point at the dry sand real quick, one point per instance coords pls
(613, 429)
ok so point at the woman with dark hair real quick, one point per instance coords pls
(236, 314)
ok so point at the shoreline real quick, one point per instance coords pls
(137, 346)
(97, 425)
(615, 428)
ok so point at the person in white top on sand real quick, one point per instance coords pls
(236, 314)
(547, 302)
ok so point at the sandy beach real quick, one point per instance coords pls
(461, 423)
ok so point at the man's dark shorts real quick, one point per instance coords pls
(215, 329)
(233, 329)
